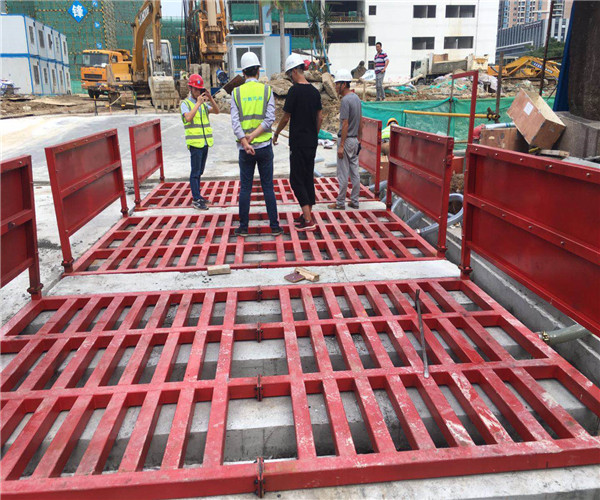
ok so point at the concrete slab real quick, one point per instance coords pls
(151, 282)
(30, 135)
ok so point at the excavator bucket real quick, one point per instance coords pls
(163, 92)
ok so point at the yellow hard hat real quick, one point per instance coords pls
(390, 121)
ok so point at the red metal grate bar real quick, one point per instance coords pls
(192, 242)
(225, 193)
(482, 415)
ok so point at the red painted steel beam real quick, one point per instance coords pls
(19, 231)
(475, 76)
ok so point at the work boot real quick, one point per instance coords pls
(334, 206)
(241, 231)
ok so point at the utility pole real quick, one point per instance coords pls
(548, 33)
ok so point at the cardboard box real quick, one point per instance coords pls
(539, 125)
(504, 138)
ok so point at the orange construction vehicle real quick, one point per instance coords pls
(94, 76)
(527, 67)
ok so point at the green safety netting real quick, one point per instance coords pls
(459, 127)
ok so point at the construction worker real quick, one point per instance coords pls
(303, 107)
(349, 135)
(252, 115)
(385, 133)
(198, 133)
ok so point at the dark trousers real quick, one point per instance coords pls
(198, 160)
(263, 157)
(302, 174)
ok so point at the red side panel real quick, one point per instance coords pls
(146, 154)
(19, 238)
(86, 177)
(370, 152)
(537, 220)
(420, 171)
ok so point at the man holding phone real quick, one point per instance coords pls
(198, 133)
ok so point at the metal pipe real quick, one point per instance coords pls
(561, 335)
(441, 113)
(452, 219)
(499, 83)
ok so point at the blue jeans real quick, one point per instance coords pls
(263, 157)
(198, 160)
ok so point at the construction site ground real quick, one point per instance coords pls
(30, 134)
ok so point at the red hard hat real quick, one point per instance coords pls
(196, 81)
(306, 63)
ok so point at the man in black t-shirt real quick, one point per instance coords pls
(303, 107)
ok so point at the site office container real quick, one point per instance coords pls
(34, 56)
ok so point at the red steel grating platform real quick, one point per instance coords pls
(193, 242)
(224, 193)
(89, 380)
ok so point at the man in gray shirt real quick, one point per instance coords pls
(349, 136)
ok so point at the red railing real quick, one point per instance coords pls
(19, 238)
(420, 173)
(146, 154)
(86, 177)
(536, 219)
(369, 157)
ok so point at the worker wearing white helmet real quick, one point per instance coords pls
(349, 135)
(302, 109)
(252, 116)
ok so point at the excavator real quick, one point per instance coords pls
(148, 72)
(527, 67)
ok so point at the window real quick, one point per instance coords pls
(372, 10)
(114, 59)
(423, 43)
(371, 64)
(41, 36)
(460, 11)
(36, 74)
(458, 42)
(31, 35)
(60, 77)
(372, 41)
(49, 41)
(424, 11)
(97, 60)
(57, 42)
(240, 51)
(45, 76)
(65, 47)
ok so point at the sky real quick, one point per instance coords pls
(171, 8)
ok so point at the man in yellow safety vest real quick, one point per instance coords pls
(252, 115)
(198, 133)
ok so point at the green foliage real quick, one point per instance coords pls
(555, 50)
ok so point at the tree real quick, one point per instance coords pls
(282, 6)
(326, 21)
(314, 22)
(555, 50)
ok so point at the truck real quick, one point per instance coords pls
(145, 71)
(96, 64)
(429, 68)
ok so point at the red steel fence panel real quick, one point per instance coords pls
(369, 157)
(147, 395)
(86, 176)
(145, 140)
(225, 193)
(537, 220)
(19, 246)
(420, 172)
(194, 242)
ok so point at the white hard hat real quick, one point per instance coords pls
(293, 61)
(249, 59)
(343, 75)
